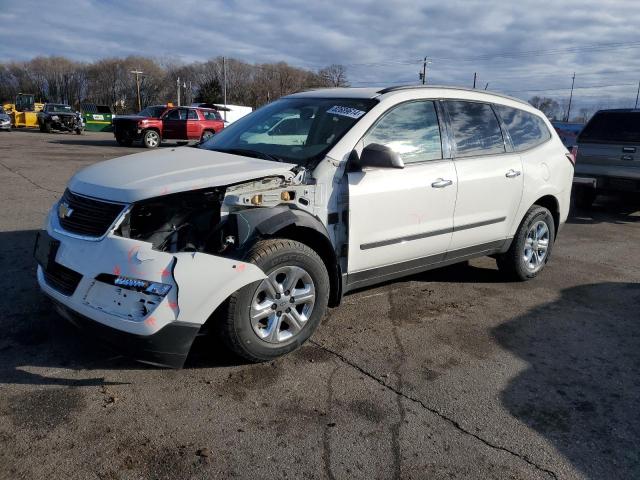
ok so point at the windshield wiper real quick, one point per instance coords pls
(247, 152)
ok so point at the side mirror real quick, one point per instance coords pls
(379, 156)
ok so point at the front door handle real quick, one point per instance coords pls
(441, 183)
(512, 173)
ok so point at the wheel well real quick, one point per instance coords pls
(322, 246)
(551, 203)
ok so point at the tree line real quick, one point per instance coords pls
(110, 81)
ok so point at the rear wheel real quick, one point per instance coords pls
(151, 139)
(274, 316)
(531, 246)
(206, 135)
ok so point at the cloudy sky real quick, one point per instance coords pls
(525, 48)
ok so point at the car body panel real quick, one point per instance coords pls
(150, 174)
(381, 233)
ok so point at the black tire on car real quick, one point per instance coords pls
(531, 246)
(583, 197)
(78, 131)
(243, 335)
(151, 139)
(206, 135)
(46, 127)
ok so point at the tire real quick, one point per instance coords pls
(538, 222)
(46, 127)
(151, 139)
(78, 131)
(41, 127)
(206, 135)
(584, 197)
(124, 142)
(254, 340)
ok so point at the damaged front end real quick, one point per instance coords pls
(166, 263)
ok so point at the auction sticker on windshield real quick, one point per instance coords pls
(346, 111)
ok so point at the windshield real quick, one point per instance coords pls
(295, 130)
(58, 108)
(153, 112)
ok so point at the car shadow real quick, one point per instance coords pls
(580, 388)
(607, 209)
(36, 338)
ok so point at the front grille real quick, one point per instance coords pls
(61, 278)
(87, 216)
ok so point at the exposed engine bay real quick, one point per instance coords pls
(216, 220)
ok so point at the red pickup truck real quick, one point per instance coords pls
(160, 122)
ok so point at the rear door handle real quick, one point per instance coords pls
(512, 173)
(441, 183)
(627, 157)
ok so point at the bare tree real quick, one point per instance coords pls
(334, 76)
(546, 105)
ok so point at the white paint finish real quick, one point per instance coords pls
(168, 170)
(387, 204)
(486, 194)
(205, 281)
(200, 284)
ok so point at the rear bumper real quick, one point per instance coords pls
(607, 183)
(168, 347)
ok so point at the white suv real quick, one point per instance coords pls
(254, 236)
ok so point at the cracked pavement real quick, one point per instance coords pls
(449, 374)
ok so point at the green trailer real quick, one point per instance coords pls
(97, 118)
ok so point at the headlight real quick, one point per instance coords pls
(54, 117)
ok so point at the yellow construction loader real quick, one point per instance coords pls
(24, 112)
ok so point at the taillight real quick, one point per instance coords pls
(573, 155)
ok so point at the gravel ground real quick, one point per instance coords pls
(448, 374)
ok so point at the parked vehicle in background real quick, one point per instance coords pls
(24, 112)
(608, 156)
(97, 118)
(158, 123)
(144, 249)
(229, 113)
(568, 132)
(60, 117)
(5, 120)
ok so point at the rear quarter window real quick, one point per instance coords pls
(525, 129)
(612, 127)
(476, 130)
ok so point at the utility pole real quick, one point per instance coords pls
(178, 84)
(423, 75)
(486, 86)
(637, 94)
(137, 73)
(475, 75)
(573, 80)
(224, 85)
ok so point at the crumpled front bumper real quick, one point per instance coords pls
(162, 332)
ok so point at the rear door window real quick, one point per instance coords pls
(612, 127)
(192, 115)
(525, 129)
(476, 130)
(410, 129)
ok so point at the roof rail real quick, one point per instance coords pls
(464, 89)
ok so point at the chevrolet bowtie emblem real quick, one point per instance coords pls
(64, 211)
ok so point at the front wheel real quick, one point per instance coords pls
(531, 246)
(78, 131)
(274, 316)
(151, 139)
(46, 127)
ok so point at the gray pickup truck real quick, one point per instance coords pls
(608, 157)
